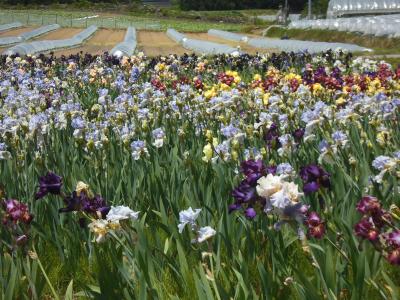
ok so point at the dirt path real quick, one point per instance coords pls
(16, 32)
(243, 46)
(157, 43)
(103, 40)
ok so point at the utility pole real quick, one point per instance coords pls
(309, 9)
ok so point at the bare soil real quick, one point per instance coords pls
(60, 34)
(16, 31)
(103, 40)
(158, 43)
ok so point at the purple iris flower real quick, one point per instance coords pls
(244, 192)
(96, 205)
(253, 170)
(311, 187)
(250, 213)
(314, 177)
(272, 170)
(298, 135)
(272, 136)
(49, 184)
(74, 202)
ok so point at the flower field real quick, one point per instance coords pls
(193, 177)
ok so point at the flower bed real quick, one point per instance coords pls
(199, 176)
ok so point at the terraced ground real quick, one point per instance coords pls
(152, 43)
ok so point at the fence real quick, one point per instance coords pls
(73, 20)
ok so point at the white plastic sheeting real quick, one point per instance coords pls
(384, 25)
(343, 7)
(228, 35)
(10, 26)
(286, 45)
(176, 36)
(8, 40)
(128, 46)
(49, 45)
(200, 46)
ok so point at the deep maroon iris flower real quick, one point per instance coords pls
(394, 257)
(393, 238)
(313, 219)
(315, 225)
(366, 229)
(15, 212)
(49, 184)
(368, 205)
